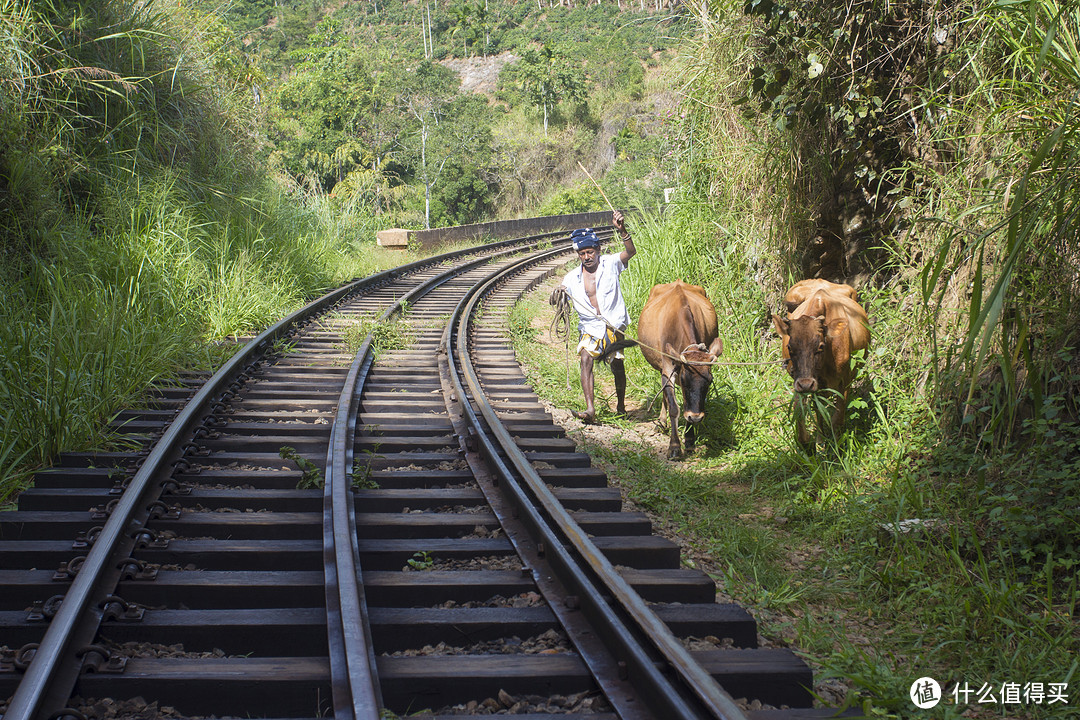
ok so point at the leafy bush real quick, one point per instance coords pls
(582, 198)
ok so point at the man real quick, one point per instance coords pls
(594, 292)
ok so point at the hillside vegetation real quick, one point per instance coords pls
(137, 228)
(173, 173)
(360, 102)
(927, 154)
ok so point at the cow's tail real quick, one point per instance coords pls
(615, 347)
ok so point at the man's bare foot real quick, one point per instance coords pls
(584, 417)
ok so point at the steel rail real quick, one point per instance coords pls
(45, 686)
(49, 679)
(354, 681)
(623, 697)
(354, 684)
(633, 630)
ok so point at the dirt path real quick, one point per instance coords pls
(642, 429)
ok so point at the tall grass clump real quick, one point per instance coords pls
(1001, 290)
(1015, 327)
(936, 535)
(135, 225)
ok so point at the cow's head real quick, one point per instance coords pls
(693, 372)
(803, 349)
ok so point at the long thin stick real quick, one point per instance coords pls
(597, 186)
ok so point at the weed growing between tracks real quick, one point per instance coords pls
(311, 477)
(393, 335)
(979, 587)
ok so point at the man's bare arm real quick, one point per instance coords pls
(629, 250)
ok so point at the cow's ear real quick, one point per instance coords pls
(782, 326)
(716, 347)
(840, 343)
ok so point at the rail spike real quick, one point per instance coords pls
(145, 537)
(159, 510)
(172, 486)
(85, 540)
(70, 569)
(103, 513)
(44, 611)
(24, 656)
(99, 659)
(119, 609)
(132, 569)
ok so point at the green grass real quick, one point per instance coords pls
(393, 335)
(800, 538)
(85, 333)
(139, 230)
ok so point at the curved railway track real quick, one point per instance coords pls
(317, 531)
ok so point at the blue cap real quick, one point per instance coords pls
(584, 238)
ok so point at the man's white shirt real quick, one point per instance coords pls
(608, 297)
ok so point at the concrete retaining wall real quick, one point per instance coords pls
(498, 229)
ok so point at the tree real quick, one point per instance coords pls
(470, 20)
(466, 182)
(449, 131)
(427, 91)
(319, 114)
(548, 76)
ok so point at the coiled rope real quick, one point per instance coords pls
(564, 316)
(561, 324)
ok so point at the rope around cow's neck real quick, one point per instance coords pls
(563, 309)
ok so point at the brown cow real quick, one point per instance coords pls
(679, 320)
(825, 326)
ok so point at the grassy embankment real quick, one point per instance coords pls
(136, 229)
(964, 419)
(801, 539)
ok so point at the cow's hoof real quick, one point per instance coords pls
(674, 453)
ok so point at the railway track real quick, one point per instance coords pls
(321, 529)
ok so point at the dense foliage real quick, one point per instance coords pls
(362, 105)
(927, 153)
(953, 154)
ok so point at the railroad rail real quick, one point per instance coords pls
(318, 529)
